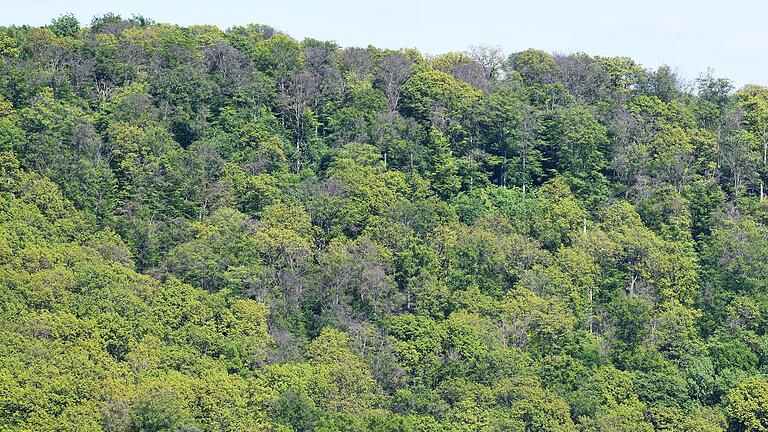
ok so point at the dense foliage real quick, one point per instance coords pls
(207, 230)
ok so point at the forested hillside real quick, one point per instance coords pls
(208, 230)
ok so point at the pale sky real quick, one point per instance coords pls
(691, 36)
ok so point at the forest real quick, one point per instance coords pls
(234, 230)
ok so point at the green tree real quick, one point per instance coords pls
(747, 406)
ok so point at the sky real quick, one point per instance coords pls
(690, 36)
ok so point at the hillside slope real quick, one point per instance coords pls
(208, 230)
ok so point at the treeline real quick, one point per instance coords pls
(207, 230)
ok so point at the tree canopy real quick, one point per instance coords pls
(234, 230)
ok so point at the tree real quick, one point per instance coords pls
(533, 407)
(436, 98)
(740, 160)
(560, 218)
(159, 412)
(753, 100)
(509, 128)
(575, 147)
(346, 384)
(65, 25)
(490, 58)
(442, 168)
(747, 406)
(393, 70)
(535, 67)
(221, 253)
